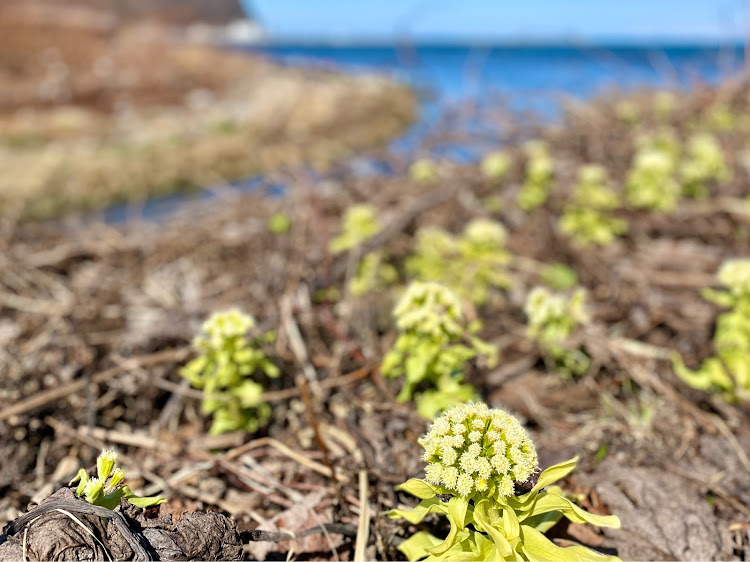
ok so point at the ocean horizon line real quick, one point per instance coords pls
(530, 44)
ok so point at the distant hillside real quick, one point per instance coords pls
(180, 11)
(172, 12)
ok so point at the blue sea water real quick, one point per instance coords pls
(527, 76)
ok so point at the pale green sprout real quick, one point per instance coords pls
(424, 170)
(360, 223)
(433, 345)
(279, 223)
(106, 489)
(495, 165)
(373, 273)
(627, 111)
(558, 276)
(223, 370)
(477, 460)
(539, 170)
(704, 162)
(664, 104)
(650, 183)
(473, 264)
(552, 319)
(728, 372)
(588, 218)
(721, 117)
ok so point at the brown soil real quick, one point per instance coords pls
(96, 322)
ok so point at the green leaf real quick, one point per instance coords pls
(112, 500)
(511, 526)
(419, 488)
(547, 502)
(483, 523)
(547, 477)
(543, 522)
(485, 548)
(82, 477)
(536, 547)
(457, 507)
(417, 514)
(141, 502)
(462, 551)
(415, 547)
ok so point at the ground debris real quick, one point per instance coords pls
(65, 528)
(663, 515)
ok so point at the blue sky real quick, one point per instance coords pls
(512, 20)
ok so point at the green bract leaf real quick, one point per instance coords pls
(417, 514)
(415, 547)
(484, 523)
(536, 547)
(457, 508)
(546, 502)
(142, 502)
(82, 478)
(547, 477)
(419, 488)
(544, 521)
(486, 550)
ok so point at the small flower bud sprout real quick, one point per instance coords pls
(552, 319)
(106, 489)
(226, 362)
(728, 372)
(433, 346)
(474, 264)
(360, 222)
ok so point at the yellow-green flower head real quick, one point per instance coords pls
(429, 308)
(105, 464)
(592, 174)
(93, 490)
(117, 477)
(495, 164)
(543, 307)
(486, 233)
(223, 326)
(474, 449)
(359, 223)
(654, 161)
(735, 276)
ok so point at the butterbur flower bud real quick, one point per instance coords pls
(94, 490)
(105, 463)
(430, 308)
(117, 477)
(735, 275)
(474, 449)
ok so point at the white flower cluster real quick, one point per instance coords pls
(472, 448)
(430, 308)
(735, 276)
(222, 327)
